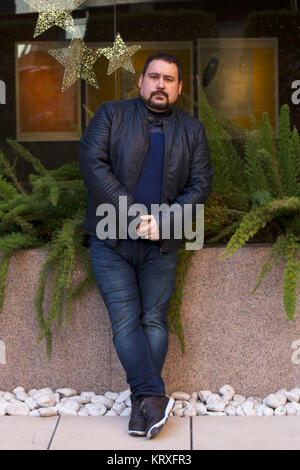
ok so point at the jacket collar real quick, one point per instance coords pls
(151, 117)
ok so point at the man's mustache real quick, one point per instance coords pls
(159, 93)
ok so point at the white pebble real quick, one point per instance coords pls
(92, 410)
(123, 395)
(65, 411)
(8, 396)
(178, 412)
(17, 409)
(111, 413)
(46, 390)
(248, 408)
(200, 409)
(126, 412)
(34, 413)
(3, 408)
(296, 390)
(226, 398)
(292, 408)
(33, 392)
(118, 407)
(18, 389)
(106, 401)
(280, 411)
(189, 411)
(267, 411)
(230, 410)
(239, 398)
(112, 395)
(88, 394)
(66, 392)
(181, 395)
(72, 404)
(22, 396)
(274, 400)
(47, 412)
(204, 394)
(292, 396)
(128, 402)
(31, 403)
(239, 411)
(45, 400)
(178, 406)
(83, 412)
(81, 399)
(215, 403)
(227, 390)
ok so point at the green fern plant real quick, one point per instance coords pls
(48, 217)
(272, 174)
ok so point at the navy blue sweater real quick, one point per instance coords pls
(149, 185)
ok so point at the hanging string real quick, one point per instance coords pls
(115, 35)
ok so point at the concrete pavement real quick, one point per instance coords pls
(188, 433)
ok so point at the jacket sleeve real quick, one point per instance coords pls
(198, 185)
(95, 168)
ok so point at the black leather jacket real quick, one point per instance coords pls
(111, 154)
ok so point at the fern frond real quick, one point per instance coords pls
(7, 190)
(4, 263)
(283, 148)
(24, 153)
(291, 276)
(10, 172)
(276, 252)
(257, 219)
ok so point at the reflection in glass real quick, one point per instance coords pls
(44, 112)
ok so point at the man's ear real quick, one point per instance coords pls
(140, 80)
(180, 85)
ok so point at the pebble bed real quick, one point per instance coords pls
(66, 401)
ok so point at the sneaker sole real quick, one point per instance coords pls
(136, 433)
(154, 430)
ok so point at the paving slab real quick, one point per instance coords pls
(26, 432)
(246, 432)
(110, 433)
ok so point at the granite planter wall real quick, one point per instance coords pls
(231, 336)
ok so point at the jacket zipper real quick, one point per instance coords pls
(163, 181)
(141, 165)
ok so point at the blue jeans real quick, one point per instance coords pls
(136, 283)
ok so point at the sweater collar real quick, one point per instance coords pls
(152, 116)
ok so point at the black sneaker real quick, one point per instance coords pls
(156, 411)
(137, 423)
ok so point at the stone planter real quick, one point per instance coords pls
(231, 336)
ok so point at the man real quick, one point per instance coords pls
(142, 150)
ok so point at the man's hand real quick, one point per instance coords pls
(148, 227)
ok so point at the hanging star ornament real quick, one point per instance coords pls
(55, 13)
(119, 55)
(78, 61)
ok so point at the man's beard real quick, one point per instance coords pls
(164, 106)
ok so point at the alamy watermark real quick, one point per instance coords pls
(296, 94)
(296, 353)
(175, 221)
(2, 92)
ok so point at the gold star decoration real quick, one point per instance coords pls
(55, 13)
(119, 55)
(78, 61)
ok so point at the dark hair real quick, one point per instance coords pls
(171, 59)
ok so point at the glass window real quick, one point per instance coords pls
(246, 59)
(43, 111)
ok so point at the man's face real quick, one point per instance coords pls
(159, 87)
